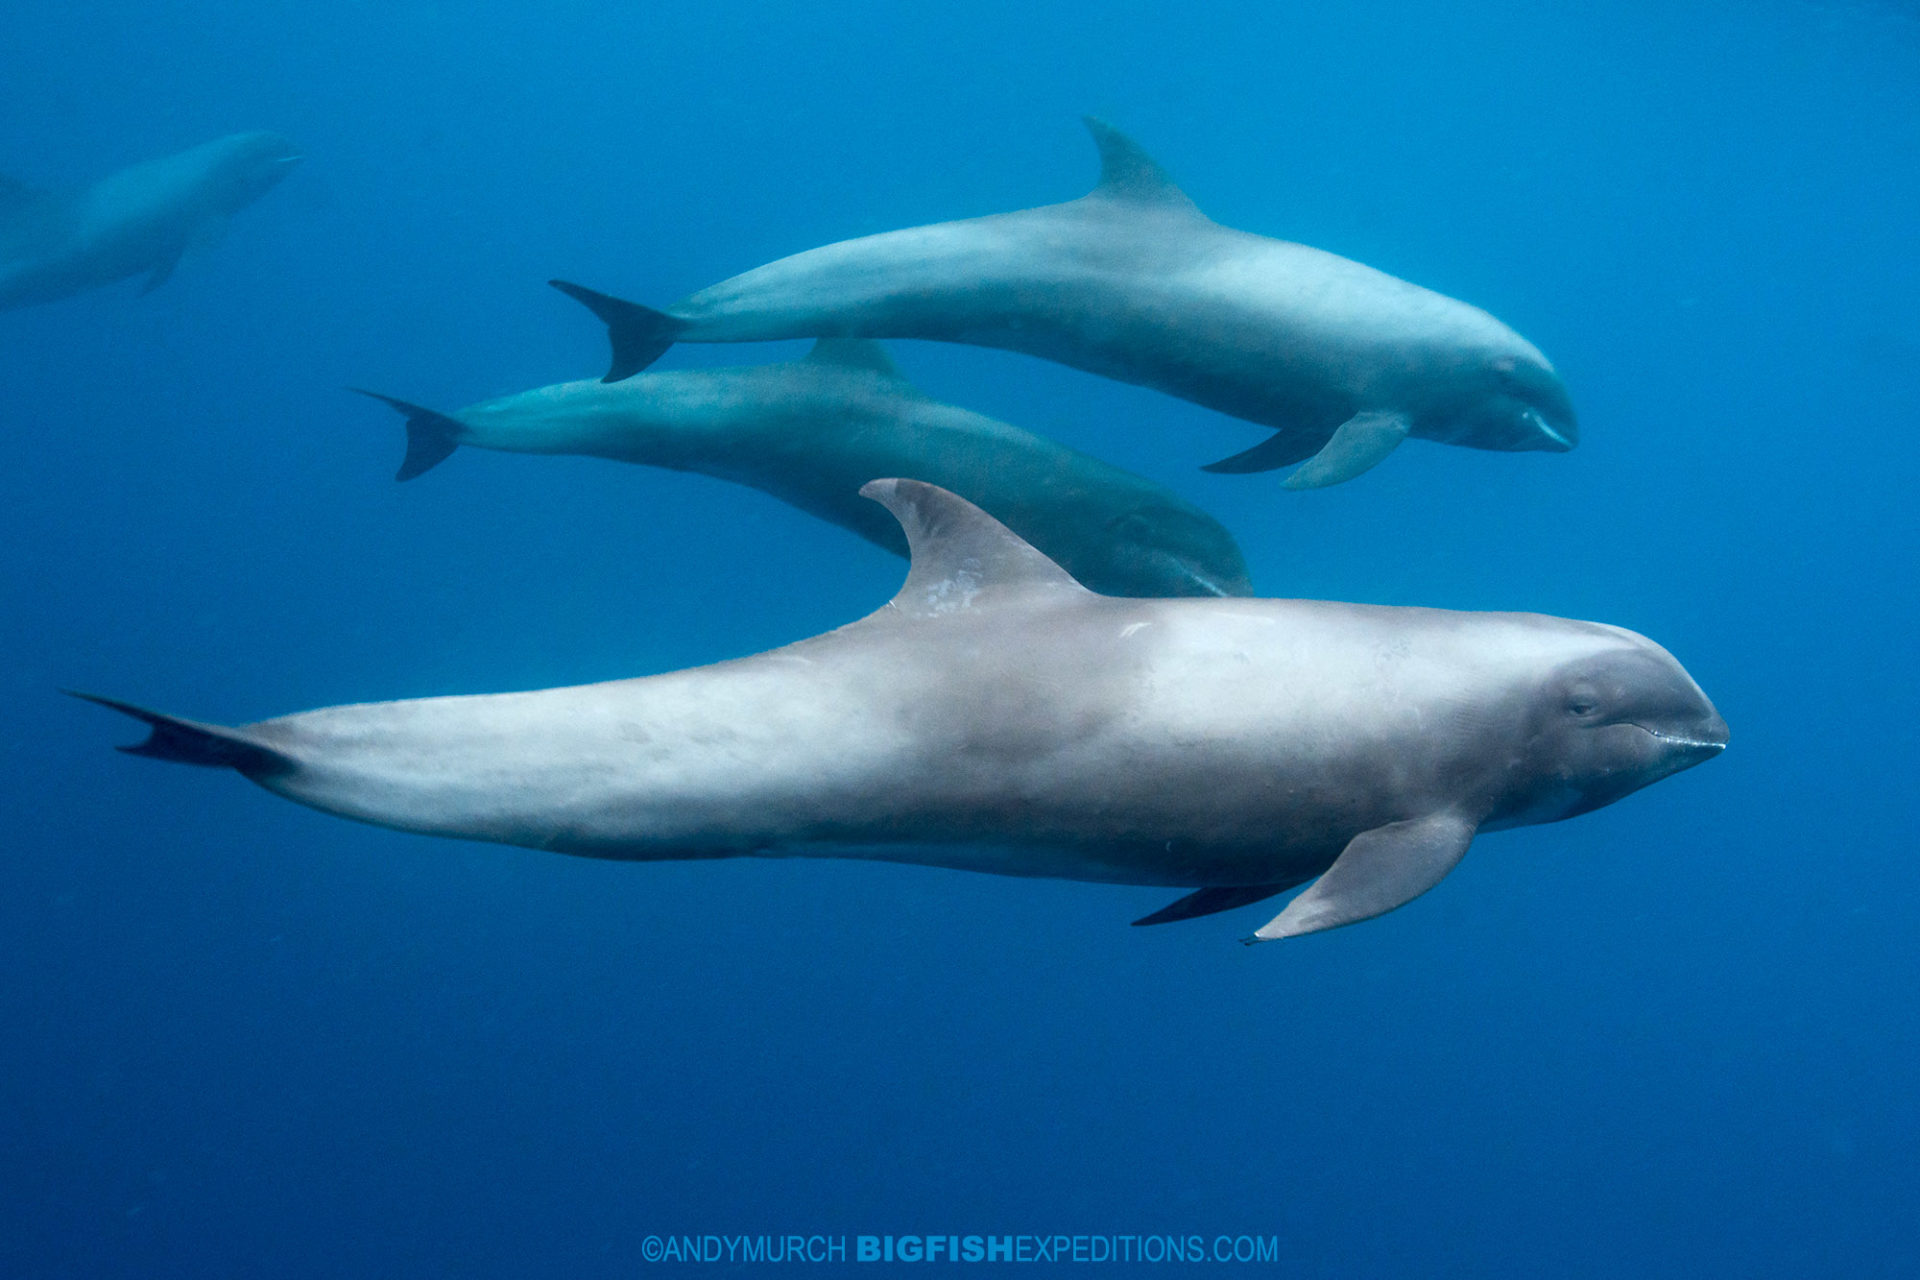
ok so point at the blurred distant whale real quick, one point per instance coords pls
(1134, 283)
(137, 221)
(997, 716)
(812, 431)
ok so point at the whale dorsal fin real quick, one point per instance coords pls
(854, 353)
(1129, 173)
(962, 557)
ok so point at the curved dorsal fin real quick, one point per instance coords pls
(962, 557)
(854, 353)
(1129, 173)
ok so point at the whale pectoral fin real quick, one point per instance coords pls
(431, 437)
(162, 270)
(1379, 870)
(1282, 449)
(639, 335)
(1359, 445)
(207, 233)
(1206, 902)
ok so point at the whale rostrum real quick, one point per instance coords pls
(997, 716)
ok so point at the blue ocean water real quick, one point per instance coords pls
(1674, 1037)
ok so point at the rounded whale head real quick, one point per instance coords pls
(246, 166)
(1170, 549)
(1606, 723)
(1518, 403)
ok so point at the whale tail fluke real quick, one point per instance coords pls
(431, 436)
(639, 335)
(190, 742)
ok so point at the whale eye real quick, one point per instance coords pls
(1583, 701)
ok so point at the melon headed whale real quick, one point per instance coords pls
(1133, 282)
(138, 221)
(997, 716)
(812, 431)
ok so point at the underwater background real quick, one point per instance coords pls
(1674, 1037)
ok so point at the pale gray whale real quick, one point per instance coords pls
(997, 716)
(811, 432)
(1134, 283)
(137, 221)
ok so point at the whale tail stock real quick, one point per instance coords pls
(191, 742)
(639, 335)
(431, 436)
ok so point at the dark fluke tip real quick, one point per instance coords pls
(431, 436)
(190, 742)
(638, 335)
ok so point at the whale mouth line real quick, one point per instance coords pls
(1190, 574)
(1681, 740)
(1540, 424)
